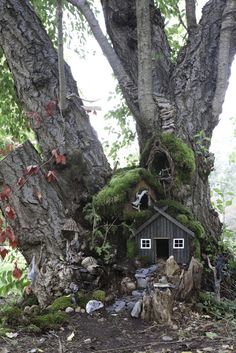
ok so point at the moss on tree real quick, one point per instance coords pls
(112, 198)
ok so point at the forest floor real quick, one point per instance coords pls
(190, 332)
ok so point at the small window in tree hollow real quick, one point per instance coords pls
(178, 243)
(145, 243)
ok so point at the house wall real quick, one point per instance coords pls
(163, 228)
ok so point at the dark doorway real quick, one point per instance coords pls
(162, 248)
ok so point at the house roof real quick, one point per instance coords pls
(161, 212)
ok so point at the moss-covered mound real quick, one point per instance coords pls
(181, 154)
(60, 303)
(50, 321)
(112, 198)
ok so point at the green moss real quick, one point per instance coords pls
(32, 329)
(174, 208)
(117, 192)
(50, 321)
(137, 218)
(83, 298)
(196, 248)
(60, 303)
(132, 250)
(99, 295)
(182, 218)
(3, 331)
(197, 228)
(10, 315)
(181, 154)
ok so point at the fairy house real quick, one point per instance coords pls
(162, 236)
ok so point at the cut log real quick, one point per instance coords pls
(38, 222)
(158, 306)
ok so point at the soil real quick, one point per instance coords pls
(190, 332)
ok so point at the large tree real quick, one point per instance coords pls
(182, 98)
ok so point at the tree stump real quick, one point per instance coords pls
(190, 281)
(158, 306)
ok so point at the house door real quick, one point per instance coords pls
(162, 248)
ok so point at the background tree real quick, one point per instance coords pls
(181, 98)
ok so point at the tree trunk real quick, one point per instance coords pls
(187, 92)
(69, 147)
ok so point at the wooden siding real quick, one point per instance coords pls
(162, 227)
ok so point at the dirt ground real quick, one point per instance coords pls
(101, 332)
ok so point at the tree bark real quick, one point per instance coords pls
(38, 221)
(34, 65)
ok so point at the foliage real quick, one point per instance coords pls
(116, 193)
(120, 129)
(99, 241)
(137, 218)
(175, 27)
(10, 315)
(8, 284)
(222, 309)
(132, 250)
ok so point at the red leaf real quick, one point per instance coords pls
(51, 176)
(32, 170)
(59, 158)
(10, 234)
(13, 244)
(10, 214)
(4, 195)
(3, 253)
(17, 273)
(50, 108)
(21, 181)
(3, 236)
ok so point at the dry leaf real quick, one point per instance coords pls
(71, 336)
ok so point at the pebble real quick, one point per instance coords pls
(174, 327)
(69, 310)
(78, 309)
(167, 338)
(87, 341)
(82, 311)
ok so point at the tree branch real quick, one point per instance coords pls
(108, 51)
(224, 59)
(145, 85)
(190, 7)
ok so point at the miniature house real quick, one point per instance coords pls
(162, 236)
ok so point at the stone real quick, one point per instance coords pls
(142, 282)
(78, 309)
(87, 341)
(89, 261)
(171, 266)
(93, 305)
(136, 311)
(137, 293)
(117, 307)
(167, 338)
(127, 285)
(69, 310)
(82, 311)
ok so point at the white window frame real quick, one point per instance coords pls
(176, 246)
(146, 240)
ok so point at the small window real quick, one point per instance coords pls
(178, 243)
(145, 243)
